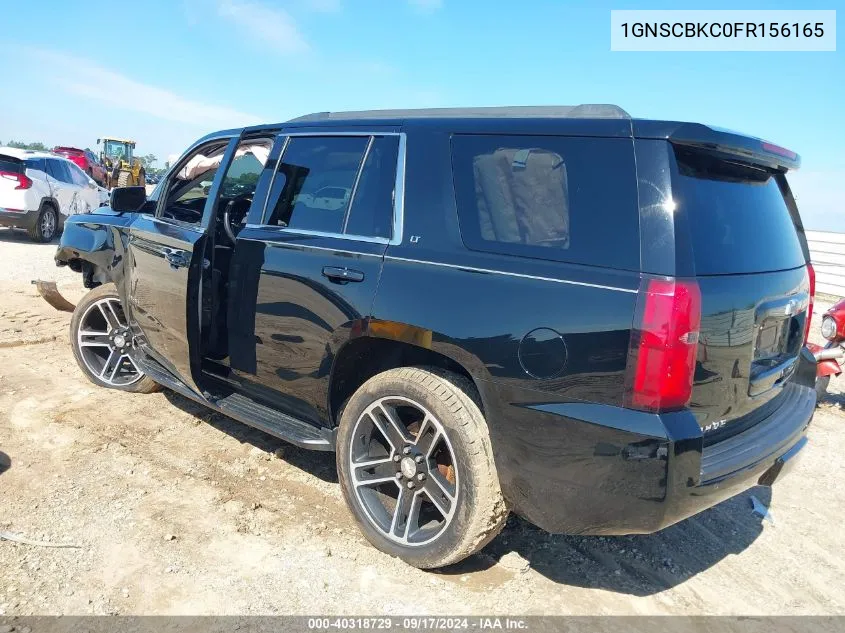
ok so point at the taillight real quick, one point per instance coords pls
(780, 151)
(811, 274)
(24, 181)
(664, 343)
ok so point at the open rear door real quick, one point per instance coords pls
(165, 256)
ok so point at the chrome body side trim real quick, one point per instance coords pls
(510, 274)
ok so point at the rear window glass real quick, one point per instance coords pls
(738, 218)
(10, 163)
(549, 197)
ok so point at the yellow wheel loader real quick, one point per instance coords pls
(122, 168)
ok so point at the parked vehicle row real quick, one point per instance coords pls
(86, 161)
(40, 190)
(595, 321)
(115, 167)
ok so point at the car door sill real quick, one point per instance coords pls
(244, 409)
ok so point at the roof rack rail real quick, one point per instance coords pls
(582, 111)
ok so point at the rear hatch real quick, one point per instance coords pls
(740, 232)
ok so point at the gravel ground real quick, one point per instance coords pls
(31, 260)
(178, 510)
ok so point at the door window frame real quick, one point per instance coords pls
(398, 188)
(231, 141)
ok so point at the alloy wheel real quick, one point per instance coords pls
(105, 342)
(404, 471)
(48, 225)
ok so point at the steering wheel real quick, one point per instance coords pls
(234, 215)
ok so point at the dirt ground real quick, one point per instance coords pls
(177, 510)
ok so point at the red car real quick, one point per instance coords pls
(86, 160)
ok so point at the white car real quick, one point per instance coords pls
(38, 190)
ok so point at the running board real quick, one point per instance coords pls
(246, 410)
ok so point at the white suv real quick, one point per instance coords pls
(38, 190)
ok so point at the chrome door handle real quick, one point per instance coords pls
(342, 275)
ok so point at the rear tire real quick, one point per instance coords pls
(443, 437)
(96, 317)
(46, 225)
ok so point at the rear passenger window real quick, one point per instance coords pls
(336, 184)
(66, 175)
(568, 199)
(372, 206)
(58, 171)
(319, 174)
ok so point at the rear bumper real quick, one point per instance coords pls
(582, 468)
(20, 219)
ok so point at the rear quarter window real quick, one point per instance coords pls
(738, 219)
(36, 163)
(10, 164)
(568, 199)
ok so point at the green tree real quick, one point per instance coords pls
(21, 145)
(248, 178)
(148, 161)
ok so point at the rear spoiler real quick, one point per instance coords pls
(717, 141)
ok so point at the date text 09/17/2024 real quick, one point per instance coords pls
(418, 623)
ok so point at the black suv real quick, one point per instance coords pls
(595, 321)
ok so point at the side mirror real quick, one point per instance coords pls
(128, 199)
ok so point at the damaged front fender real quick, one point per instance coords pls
(95, 245)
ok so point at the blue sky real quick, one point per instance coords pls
(174, 70)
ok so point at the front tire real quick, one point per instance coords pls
(416, 467)
(101, 341)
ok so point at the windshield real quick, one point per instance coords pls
(115, 149)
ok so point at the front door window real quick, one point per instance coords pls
(238, 186)
(190, 185)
